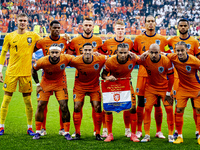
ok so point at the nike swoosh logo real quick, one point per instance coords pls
(79, 44)
(14, 41)
(112, 46)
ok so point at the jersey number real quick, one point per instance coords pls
(143, 49)
(16, 47)
(46, 51)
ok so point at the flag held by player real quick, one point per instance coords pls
(116, 95)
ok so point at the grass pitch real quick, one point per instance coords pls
(15, 136)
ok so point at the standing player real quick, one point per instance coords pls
(53, 80)
(109, 48)
(187, 67)
(87, 83)
(141, 44)
(76, 47)
(158, 68)
(193, 49)
(121, 66)
(45, 44)
(20, 44)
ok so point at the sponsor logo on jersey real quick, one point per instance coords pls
(188, 68)
(29, 40)
(116, 97)
(161, 69)
(62, 66)
(130, 66)
(158, 42)
(96, 66)
(5, 85)
(188, 46)
(94, 44)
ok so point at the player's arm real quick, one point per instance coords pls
(105, 77)
(5, 48)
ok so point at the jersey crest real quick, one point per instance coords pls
(130, 66)
(158, 42)
(96, 66)
(62, 66)
(160, 69)
(29, 40)
(61, 45)
(188, 46)
(188, 68)
(94, 44)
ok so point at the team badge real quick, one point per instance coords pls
(38, 96)
(137, 90)
(145, 100)
(130, 66)
(62, 66)
(116, 97)
(188, 46)
(29, 40)
(158, 42)
(175, 102)
(161, 69)
(61, 45)
(96, 66)
(174, 92)
(94, 44)
(188, 68)
(74, 96)
(5, 85)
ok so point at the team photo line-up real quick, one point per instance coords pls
(163, 75)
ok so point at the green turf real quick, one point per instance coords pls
(16, 125)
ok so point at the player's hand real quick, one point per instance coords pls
(198, 94)
(38, 89)
(144, 55)
(132, 55)
(169, 99)
(68, 38)
(96, 53)
(111, 78)
(1, 77)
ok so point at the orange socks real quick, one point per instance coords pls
(94, 118)
(140, 116)
(170, 119)
(195, 118)
(66, 126)
(98, 122)
(147, 119)
(126, 116)
(38, 125)
(77, 121)
(198, 122)
(45, 118)
(133, 122)
(109, 121)
(158, 117)
(179, 122)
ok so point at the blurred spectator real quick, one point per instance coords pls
(11, 25)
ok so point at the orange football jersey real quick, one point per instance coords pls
(87, 78)
(192, 45)
(118, 70)
(46, 42)
(54, 74)
(187, 71)
(157, 72)
(109, 47)
(142, 43)
(77, 43)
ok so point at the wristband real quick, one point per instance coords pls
(38, 84)
(1, 67)
(167, 93)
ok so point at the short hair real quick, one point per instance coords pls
(88, 44)
(145, 20)
(22, 15)
(119, 23)
(54, 22)
(122, 45)
(88, 19)
(181, 43)
(184, 20)
(55, 45)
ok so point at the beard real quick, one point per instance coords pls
(87, 32)
(183, 32)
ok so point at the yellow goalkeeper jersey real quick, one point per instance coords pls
(21, 47)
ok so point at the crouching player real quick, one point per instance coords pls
(53, 81)
(158, 68)
(189, 87)
(121, 66)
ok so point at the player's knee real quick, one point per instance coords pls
(97, 108)
(41, 106)
(198, 110)
(8, 93)
(180, 110)
(77, 107)
(133, 110)
(141, 101)
(158, 103)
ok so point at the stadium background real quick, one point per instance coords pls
(71, 13)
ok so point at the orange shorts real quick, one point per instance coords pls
(182, 97)
(140, 88)
(175, 86)
(60, 95)
(133, 96)
(78, 96)
(151, 98)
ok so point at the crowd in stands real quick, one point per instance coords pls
(71, 13)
